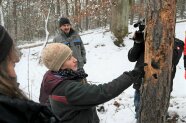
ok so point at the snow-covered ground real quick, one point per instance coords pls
(105, 62)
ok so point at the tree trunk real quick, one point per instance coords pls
(159, 41)
(119, 19)
(132, 12)
(58, 8)
(14, 13)
(86, 16)
(67, 8)
(183, 5)
(1, 13)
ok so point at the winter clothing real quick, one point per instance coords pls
(75, 43)
(6, 43)
(73, 101)
(53, 59)
(51, 79)
(177, 53)
(14, 110)
(63, 21)
(137, 102)
(185, 56)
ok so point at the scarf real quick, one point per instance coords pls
(72, 75)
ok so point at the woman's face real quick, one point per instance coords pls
(13, 58)
(70, 63)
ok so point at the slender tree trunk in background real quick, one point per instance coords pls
(57, 15)
(183, 6)
(98, 19)
(58, 8)
(119, 20)
(132, 12)
(27, 27)
(86, 16)
(77, 14)
(105, 19)
(67, 8)
(15, 19)
(1, 13)
(159, 41)
(141, 5)
(30, 20)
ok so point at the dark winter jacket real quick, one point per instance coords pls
(74, 102)
(23, 111)
(73, 40)
(136, 54)
(50, 81)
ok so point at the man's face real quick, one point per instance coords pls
(65, 28)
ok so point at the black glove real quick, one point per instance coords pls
(137, 74)
(138, 37)
(137, 85)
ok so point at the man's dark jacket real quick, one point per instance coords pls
(136, 54)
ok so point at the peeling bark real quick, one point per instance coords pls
(159, 41)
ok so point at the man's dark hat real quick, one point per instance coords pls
(6, 43)
(63, 21)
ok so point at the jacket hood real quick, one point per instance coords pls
(50, 81)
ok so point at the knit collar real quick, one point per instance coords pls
(71, 75)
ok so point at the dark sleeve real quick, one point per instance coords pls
(184, 58)
(135, 51)
(83, 51)
(177, 51)
(90, 95)
(184, 52)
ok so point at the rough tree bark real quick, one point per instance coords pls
(159, 38)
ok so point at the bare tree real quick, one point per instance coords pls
(183, 7)
(132, 2)
(119, 20)
(25, 21)
(67, 8)
(1, 13)
(14, 13)
(86, 16)
(159, 41)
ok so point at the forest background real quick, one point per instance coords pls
(30, 20)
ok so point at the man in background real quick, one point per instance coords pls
(72, 39)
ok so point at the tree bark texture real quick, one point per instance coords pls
(159, 38)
